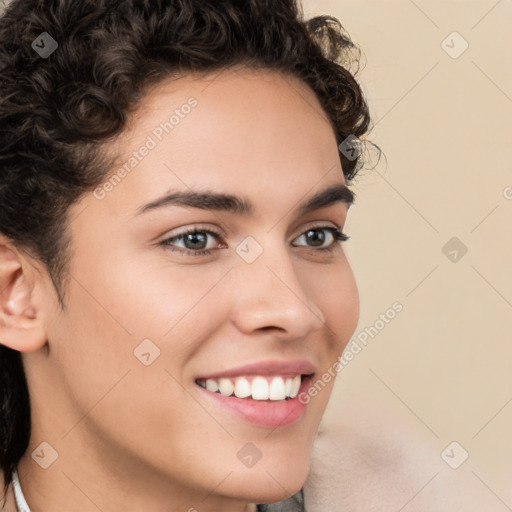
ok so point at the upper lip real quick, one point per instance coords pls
(273, 367)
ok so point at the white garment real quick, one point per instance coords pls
(21, 502)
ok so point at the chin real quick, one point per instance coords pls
(272, 481)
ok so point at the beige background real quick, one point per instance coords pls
(441, 367)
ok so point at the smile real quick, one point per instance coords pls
(255, 387)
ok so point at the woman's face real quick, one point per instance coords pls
(151, 314)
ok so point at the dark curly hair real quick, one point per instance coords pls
(59, 112)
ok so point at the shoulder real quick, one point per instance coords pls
(371, 461)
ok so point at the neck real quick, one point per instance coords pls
(70, 487)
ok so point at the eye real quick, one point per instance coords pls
(318, 238)
(195, 241)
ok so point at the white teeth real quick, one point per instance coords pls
(211, 385)
(288, 386)
(242, 388)
(295, 386)
(277, 391)
(226, 387)
(260, 389)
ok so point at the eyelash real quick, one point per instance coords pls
(338, 236)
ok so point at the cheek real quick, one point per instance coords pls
(149, 297)
(348, 309)
(335, 291)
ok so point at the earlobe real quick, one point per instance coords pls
(21, 326)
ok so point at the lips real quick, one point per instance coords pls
(265, 368)
(264, 394)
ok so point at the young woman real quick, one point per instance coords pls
(173, 190)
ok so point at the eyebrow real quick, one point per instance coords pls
(210, 200)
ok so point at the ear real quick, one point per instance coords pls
(21, 326)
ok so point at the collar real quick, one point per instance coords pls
(21, 502)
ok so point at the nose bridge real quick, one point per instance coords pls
(269, 292)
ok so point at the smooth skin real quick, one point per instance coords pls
(132, 437)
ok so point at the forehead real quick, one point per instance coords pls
(235, 114)
(243, 132)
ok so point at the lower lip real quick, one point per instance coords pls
(263, 413)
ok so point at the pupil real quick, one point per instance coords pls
(316, 236)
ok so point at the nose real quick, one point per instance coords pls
(269, 295)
